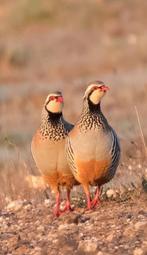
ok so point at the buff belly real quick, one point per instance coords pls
(51, 161)
(90, 150)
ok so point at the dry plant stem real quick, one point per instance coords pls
(141, 132)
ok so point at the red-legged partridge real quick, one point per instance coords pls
(48, 149)
(93, 149)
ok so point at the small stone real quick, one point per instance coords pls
(62, 227)
(67, 226)
(83, 219)
(73, 219)
(28, 206)
(130, 167)
(145, 243)
(139, 166)
(100, 253)
(55, 241)
(88, 246)
(110, 193)
(15, 205)
(139, 224)
(128, 232)
(132, 39)
(145, 173)
(1, 219)
(40, 229)
(109, 237)
(47, 202)
(138, 251)
(38, 251)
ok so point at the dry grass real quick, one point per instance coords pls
(141, 132)
(66, 40)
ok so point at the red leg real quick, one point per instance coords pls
(87, 192)
(89, 204)
(96, 200)
(67, 205)
(57, 211)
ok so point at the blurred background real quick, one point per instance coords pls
(63, 45)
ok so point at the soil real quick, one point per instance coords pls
(113, 228)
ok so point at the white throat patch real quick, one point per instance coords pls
(54, 107)
(96, 96)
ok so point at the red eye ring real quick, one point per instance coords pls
(104, 88)
(60, 99)
(95, 87)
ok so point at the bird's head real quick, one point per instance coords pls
(54, 102)
(95, 92)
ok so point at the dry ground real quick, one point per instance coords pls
(114, 228)
(62, 45)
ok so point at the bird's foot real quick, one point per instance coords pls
(57, 212)
(91, 204)
(67, 208)
(95, 202)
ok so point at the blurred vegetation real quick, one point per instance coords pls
(70, 12)
(19, 57)
(12, 140)
(26, 12)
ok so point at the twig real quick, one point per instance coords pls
(141, 132)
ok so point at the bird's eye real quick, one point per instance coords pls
(100, 87)
(95, 87)
(52, 98)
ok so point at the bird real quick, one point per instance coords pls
(48, 150)
(92, 146)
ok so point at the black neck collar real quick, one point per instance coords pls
(95, 108)
(54, 116)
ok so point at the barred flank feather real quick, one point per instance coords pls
(70, 156)
(115, 156)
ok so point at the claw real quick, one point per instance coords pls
(67, 207)
(91, 204)
(57, 211)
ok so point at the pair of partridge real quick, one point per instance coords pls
(48, 149)
(87, 153)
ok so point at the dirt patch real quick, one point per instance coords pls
(113, 228)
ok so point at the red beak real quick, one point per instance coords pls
(60, 99)
(104, 88)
